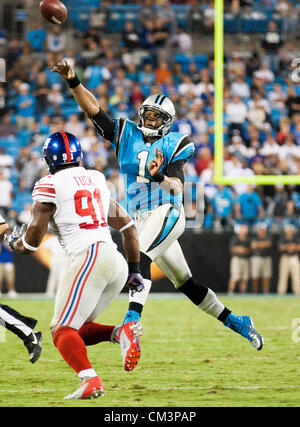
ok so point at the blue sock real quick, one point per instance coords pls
(130, 316)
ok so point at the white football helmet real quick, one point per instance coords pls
(161, 104)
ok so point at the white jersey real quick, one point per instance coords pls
(82, 199)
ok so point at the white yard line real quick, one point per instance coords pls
(29, 390)
(262, 387)
(147, 389)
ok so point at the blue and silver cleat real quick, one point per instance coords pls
(243, 325)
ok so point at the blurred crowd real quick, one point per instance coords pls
(156, 55)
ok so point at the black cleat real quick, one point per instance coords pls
(33, 345)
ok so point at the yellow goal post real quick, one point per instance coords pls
(219, 178)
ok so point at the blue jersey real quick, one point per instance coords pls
(249, 203)
(134, 155)
(223, 202)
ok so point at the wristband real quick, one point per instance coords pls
(129, 224)
(159, 177)
(25, 244)
(73, 82)
(134, 267)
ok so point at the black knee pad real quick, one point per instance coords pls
(145, 266)
(194, 291)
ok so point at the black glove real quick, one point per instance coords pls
(10, 239)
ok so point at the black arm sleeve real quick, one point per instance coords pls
(104, 125)
(175, 170)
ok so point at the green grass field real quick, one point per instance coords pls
(188, 359)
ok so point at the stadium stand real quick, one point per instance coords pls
(99, 44)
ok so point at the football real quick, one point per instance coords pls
(54, 11)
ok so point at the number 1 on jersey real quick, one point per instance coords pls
(143, 157)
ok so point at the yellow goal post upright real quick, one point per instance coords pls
(219, 178)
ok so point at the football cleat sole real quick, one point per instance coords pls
(129, 339)
(257, 340)
(91, 388)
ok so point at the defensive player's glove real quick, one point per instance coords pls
(135, 282)
(11, 238)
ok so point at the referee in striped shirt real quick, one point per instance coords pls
(20, 325)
